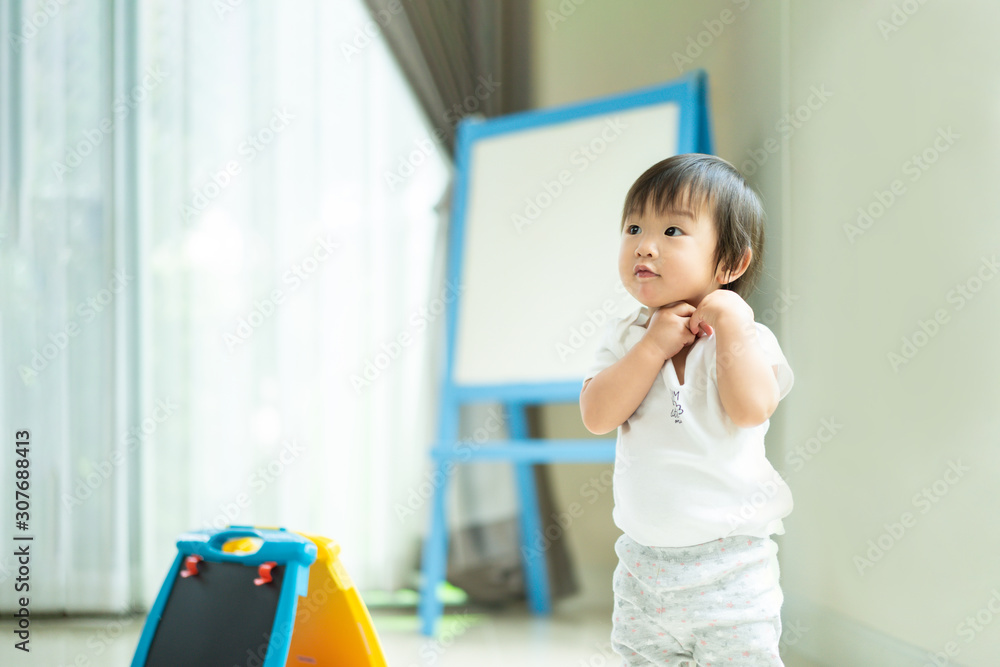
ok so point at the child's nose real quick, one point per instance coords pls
(646, 247)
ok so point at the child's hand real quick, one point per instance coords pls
(667, 329)
(719, 305)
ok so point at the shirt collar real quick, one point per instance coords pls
(640, 316)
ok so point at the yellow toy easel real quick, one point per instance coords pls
(332, 623)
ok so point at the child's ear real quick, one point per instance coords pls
(745, 262)
(741, 269)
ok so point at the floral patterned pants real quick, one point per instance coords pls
(711, 604)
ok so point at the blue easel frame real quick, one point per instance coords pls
(690, 93)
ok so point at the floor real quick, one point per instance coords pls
(575, 638)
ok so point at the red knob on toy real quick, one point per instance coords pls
(265, 573)
(191, 562)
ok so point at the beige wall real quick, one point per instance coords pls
(852, 299)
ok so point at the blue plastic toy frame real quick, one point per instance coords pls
(695, 136)
(289, 549)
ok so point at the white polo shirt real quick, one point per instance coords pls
(685, 474)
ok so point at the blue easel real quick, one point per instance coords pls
(689, 93)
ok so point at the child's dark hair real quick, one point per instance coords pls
(693, 180)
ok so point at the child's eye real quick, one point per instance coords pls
(669, 228)
(631, 227)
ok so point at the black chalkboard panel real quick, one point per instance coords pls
(217, 618)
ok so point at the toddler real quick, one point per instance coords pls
(690, 381)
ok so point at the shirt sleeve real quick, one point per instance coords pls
(608, 353)
(776, 358)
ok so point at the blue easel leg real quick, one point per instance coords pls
(533, 543)
(435, 555)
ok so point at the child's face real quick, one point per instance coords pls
(678, 247)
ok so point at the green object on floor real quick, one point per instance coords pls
(406, 597)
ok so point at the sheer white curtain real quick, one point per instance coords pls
(285, 303)
(67, 294)
(289, 186)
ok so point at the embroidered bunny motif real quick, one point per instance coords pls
(678, 410)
